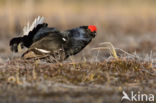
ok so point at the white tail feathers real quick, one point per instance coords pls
(28, 28)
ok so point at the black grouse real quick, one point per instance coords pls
(44, 42)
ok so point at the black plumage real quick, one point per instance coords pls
(44, 41)
(78, 38)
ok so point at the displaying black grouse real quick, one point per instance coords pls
(43, 41)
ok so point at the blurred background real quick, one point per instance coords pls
(127, 24)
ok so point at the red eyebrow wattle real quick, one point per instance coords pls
(92, 28)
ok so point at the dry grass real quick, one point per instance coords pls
(26, 80)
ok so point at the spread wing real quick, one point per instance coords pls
(44, 32)
(47, 44)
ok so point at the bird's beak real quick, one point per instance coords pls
(93, 34)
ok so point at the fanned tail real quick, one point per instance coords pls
(28, 28)
(14, 43)
(28, 33)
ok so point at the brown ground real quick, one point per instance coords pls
(86, 82)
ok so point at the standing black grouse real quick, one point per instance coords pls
(45, 42)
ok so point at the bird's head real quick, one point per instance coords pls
(91, 30)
